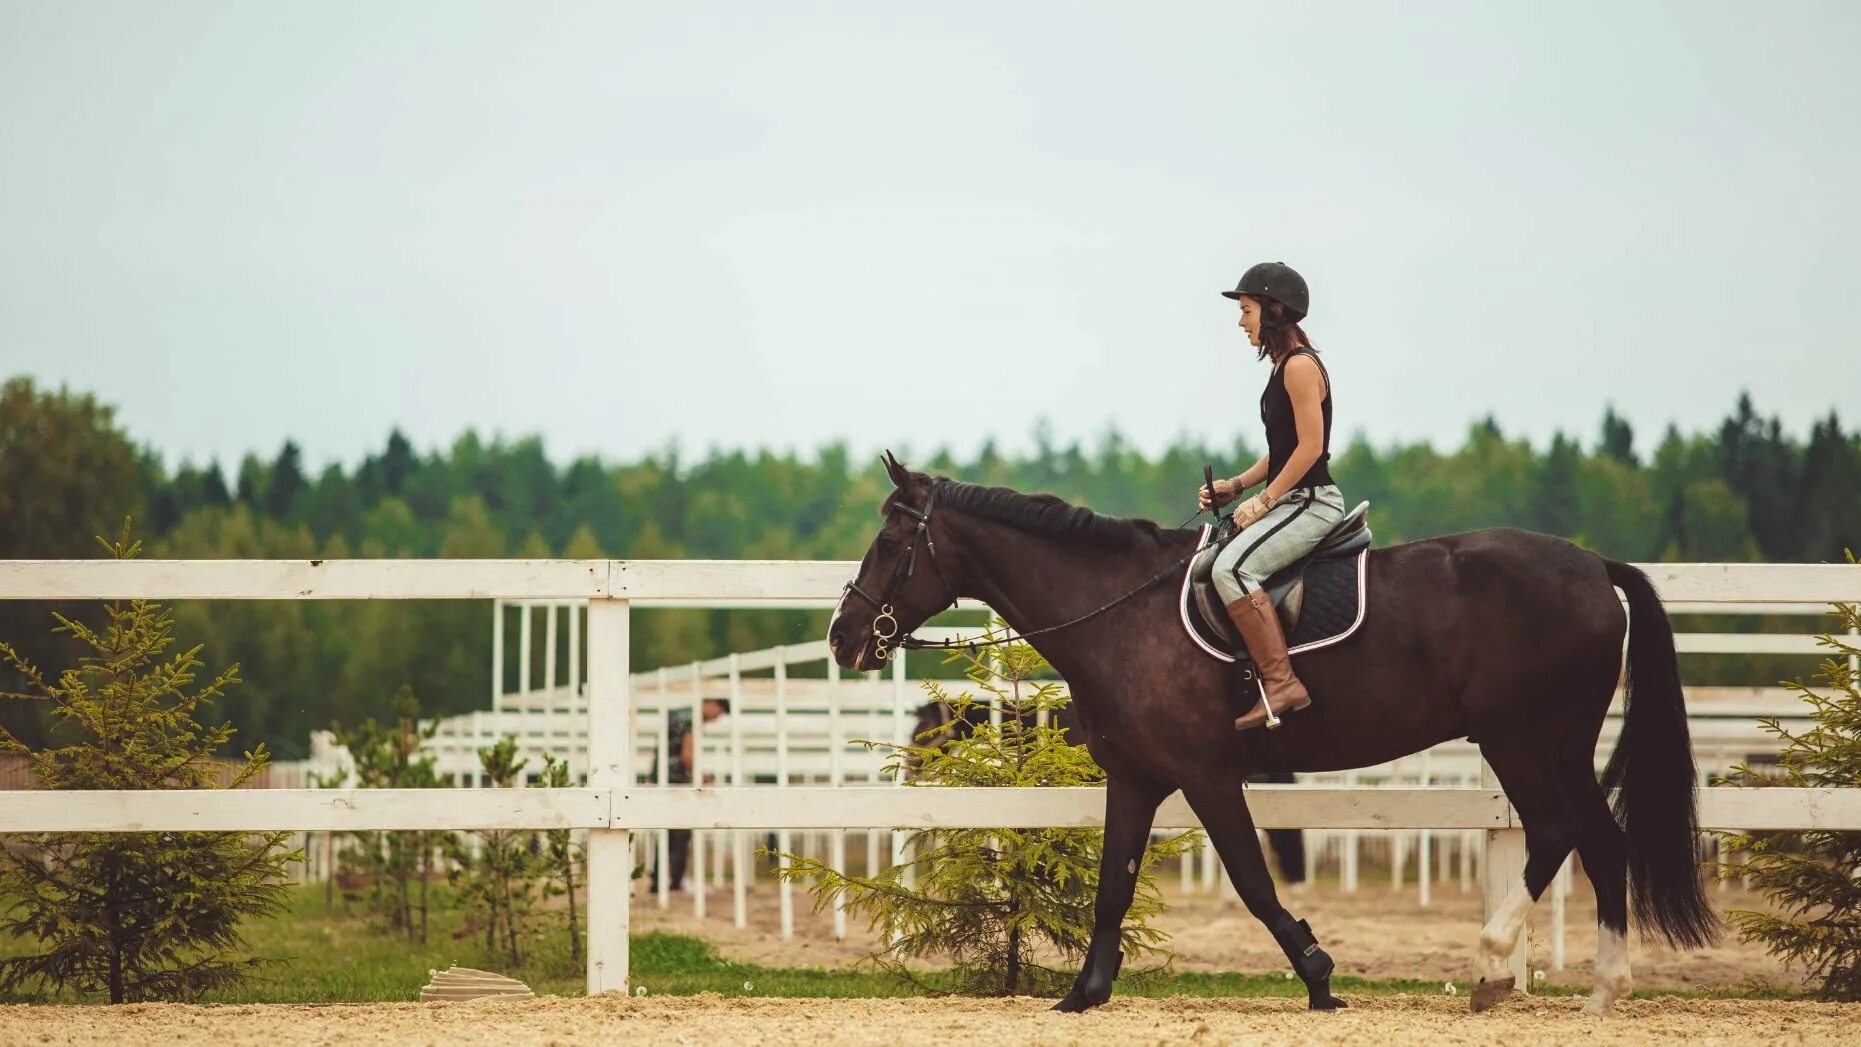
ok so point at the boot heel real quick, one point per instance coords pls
(1273, 721)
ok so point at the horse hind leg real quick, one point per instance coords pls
(1531, 786)
(1605, 861)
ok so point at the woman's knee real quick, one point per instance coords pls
(1227, 585)
(1248, 580)
(1226, 572)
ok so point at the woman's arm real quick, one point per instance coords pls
(1254, 474)
(1305, 385)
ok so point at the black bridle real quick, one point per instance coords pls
(906, 569)
(883, 635)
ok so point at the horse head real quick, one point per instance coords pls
(902, 581)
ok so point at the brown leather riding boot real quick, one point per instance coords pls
(1258, 624)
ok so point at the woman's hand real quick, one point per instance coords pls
(1253, 509)
(1224, 492)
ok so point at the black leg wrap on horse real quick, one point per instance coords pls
(1295, 938)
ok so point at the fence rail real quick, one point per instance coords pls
(819, 807)
(610, 806)
(747, 583)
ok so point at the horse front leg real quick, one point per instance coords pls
(1230, 826)
(1130, 809)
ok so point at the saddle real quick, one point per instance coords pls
(1319, 597)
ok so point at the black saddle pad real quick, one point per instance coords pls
(1331, 604)
(1331, 608)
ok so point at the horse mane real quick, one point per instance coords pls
(1044, 514)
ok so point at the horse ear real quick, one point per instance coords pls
(901, 476)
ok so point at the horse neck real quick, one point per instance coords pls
(1034, 581)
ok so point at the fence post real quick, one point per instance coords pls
(610, 766)
(785, 892)
(1348, 848)
(550, 668)
(663, 764)
(526, 639)
(836, 776)
(1424, 875)
(1560, 888)
(1502, 870)
(739, 843)
(695, 856)
(574, 694)
(497, 652)
(903, 735)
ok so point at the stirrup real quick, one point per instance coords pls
(1273, 719)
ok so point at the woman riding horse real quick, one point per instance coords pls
(1510, 639)
(1299, 504)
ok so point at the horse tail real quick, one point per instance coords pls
(1652, 767)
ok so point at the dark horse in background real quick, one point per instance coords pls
(1509, 638)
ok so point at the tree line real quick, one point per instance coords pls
(1745, 491)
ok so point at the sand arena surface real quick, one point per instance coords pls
(710, 1019)
(1375, 932)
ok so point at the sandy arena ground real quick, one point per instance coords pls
(710, 1020)
(1376, 932)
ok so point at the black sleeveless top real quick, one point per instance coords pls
(1283, 433)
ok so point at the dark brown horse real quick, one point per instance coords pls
(1507, 637)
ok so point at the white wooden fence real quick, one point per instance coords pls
(790, 729)
(610, 806)
(799, 730)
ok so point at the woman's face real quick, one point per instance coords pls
(1250, 319)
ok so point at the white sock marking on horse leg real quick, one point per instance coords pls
(1613, 980)
(1501, 933)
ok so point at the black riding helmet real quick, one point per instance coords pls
(1276, 281)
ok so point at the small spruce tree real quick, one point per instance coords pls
(498, 881)
(134, 916)
(994, 903)
(1813, 878)
(399, 864)
(560, 856)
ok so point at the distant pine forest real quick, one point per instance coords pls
(1745, 491)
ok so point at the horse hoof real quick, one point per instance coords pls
(1486, 994)
(1075, 1002)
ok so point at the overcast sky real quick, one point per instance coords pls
(913, 225)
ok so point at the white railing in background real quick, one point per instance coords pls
(547, 717)
(611, 805)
